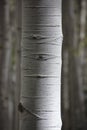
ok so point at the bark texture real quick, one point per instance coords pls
(4, 63)
(40, 104)
(18, 60)
(2, 11)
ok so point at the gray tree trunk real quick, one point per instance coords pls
(18, 59)
(40, 100)
(4, 64)
(2, 109)
(76, 104)
(73, 114)
(65, 69)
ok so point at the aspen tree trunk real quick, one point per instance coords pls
(1, 63)
(65, 69)
(18, 60)
(4, 63)
(82, 42)
(76, 104)
(40, 104)
(85, 66)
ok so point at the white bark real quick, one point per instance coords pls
(41, 65)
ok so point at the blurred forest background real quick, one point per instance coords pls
(74, 67)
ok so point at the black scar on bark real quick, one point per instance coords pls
(21, 108)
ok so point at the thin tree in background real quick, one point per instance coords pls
(65, 68)
(72, 92)
(4, 64)
(85, 65)
(18, 59)
(40, 104)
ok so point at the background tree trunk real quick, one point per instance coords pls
(72, 92)
(4, 63)
(18, 59)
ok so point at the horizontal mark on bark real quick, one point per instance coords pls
(38, 37)
(40, 7)
(38, 30)
(37, 97)
(52, 127)
(41, 38)
(42, 25)
(42, 76)
(41, 57)
(47, 42)
(30, 62)
(42, 111)
(45, 15)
